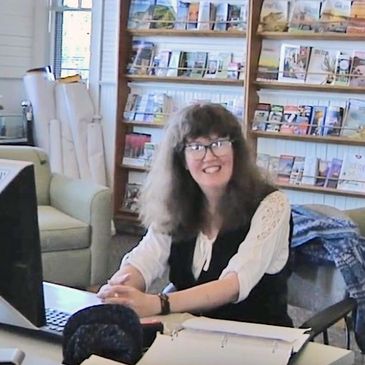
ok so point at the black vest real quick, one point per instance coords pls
(267, 301)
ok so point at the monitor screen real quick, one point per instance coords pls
(20, 258)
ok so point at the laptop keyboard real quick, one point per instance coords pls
(56, 320)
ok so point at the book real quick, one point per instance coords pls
(149, 152)
(261, 115)
(212, 66)
(296, 173)
(289, 119)
(233, 70)
(317, 120)
(233, 19)
(333, 121)
(275, 118)
(225, 342)
(321, 67)
(334, 16)
(303, 119)
(160, 63)
(221, 16)
(193, 16)
(134, 148)
(273, 168)
(358, 69)
(141, 57)
(343, 68)
(131, 197)
(304, 16)
(262, 161)
(285, 166)
(195, 63)
(131, 105)
(268, 66)
(293, 63)
(274, 16)
(354, 119)
(357, 15)
(333, 173)
(224, 59)
(206, 15)
(175, 64)
(323, 168)
(181, 15)
(163, 16)
(310, 170)
(352, 175)
(242, 25)
(140, 14)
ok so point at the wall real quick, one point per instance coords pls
(25, 43)
(22, 46)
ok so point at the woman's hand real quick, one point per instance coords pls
(143, 304)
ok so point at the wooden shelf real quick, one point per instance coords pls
(313, 36)
(309, 138)
(185, 33)
(309, 87)
(318, 189)
(137, 123)
(134, 168)
(184, 80)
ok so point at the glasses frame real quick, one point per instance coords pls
(206, 147)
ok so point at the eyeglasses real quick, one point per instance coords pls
(197, 151)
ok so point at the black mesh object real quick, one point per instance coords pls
(112, 331)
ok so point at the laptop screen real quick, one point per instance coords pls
(20, 259)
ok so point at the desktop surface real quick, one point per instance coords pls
(45, 352)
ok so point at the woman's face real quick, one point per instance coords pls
(210, 162)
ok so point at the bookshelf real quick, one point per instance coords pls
(209, 40)
(256, 91)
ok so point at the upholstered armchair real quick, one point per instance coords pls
(74, 222)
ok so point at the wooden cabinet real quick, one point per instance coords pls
(182, 89)
(256, 89)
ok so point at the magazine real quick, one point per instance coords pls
(206, 15)
(181, 15)
(317, 120)
(293, 63)
(334, 16)
(310, 170)
(296, 174)
(131, 197)
(333, 121)
(321, 67)
(357, 15)
(275, 118)
(261, 116)
(140, 14)
(354, 120)
(134, 148)
(352, 176)
(221, 16)
(193, 16)
(268, 67)
(285, 166)
(343, 68)
(304, 16)
(358, 69)
(333, 173)
(289, 119)
(141, 57)
(164, 15)
(323, 168)
(274, 16)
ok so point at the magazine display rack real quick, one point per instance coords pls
(255, 85)
(130, 77)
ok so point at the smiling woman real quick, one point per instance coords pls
(220, 230)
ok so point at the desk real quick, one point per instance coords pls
(41, 352)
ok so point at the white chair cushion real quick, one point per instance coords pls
(59, 231)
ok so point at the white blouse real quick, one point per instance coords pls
(264, 250)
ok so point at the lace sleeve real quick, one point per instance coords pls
(266, 247)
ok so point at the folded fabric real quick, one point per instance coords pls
(340, 238)
(108, 330)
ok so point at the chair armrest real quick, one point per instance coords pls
(358, 216)
(321, 321)
(92, 204)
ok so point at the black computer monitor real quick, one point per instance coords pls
(21, 280)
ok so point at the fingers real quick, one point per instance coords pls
(113, 291)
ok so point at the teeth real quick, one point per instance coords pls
(212, 169)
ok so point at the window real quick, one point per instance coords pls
(72, 30)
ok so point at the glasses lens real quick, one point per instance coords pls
(195, 151)
(221, 147)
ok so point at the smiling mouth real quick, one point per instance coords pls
(212, 169)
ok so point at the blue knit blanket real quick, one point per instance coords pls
(337, 240)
